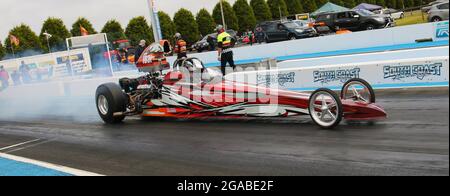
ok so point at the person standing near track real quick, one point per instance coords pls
(180, 46)
(225, 53)
(4, 77)
(139, 50)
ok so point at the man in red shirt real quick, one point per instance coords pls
(4, 77)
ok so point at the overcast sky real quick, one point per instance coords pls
(34, 12)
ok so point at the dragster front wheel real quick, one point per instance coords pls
(357, 89)
(325, 108)
(111, 103)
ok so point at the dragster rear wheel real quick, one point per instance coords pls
(357, 89)
(325, 108)
(111, 103)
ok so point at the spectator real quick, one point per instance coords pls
(211, 43)
(260, 35)
(250, 36)
(4, 77)
(139, 50)
(15, 76)
(25, 73)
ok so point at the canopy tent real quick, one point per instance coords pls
(330, 7)
(367, 6)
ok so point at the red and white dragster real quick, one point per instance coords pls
(189, 90)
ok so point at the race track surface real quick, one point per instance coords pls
(413, 141)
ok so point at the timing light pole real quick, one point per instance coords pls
(223, 16)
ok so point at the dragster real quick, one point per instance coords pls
(189, 90)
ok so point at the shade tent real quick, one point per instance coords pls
(329, 7)
(367, 6)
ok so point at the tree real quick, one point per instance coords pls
(419, 2)
(320, 3)
(381, 3)
(168, 28)
(205, 22)
(309, 6)
(244, 13)
(114, 31)
(58, 31)
(391, 3)
(186, 25)
(261, 10)
(138, 29)
(231, 20)
(30, 44)
(82, 22)
(400, 4)
(2, 51)
(338, 2)
(294, 7)
(278, 8)
(350, 3)
(409, 3)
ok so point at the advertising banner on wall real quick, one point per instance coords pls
(48, 66)
(441, 30)
(394, 74)
(78, 65)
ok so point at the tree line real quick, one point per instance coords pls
(243, 15)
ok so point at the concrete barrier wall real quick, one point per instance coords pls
(357, 40)
(419, 72)
(366, 57)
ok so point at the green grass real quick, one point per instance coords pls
(415, 17)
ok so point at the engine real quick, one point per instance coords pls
(141, 90)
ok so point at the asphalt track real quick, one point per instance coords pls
(414, 140)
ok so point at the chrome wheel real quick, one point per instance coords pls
(102, 104)
(357, 91)
(325, 109)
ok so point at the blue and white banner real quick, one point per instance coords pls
(383, 74)
(441, 29)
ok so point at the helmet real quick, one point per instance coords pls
(177, 35)
(220, 29)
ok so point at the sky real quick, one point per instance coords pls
(34, 12)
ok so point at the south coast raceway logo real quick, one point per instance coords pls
(341, 75)
(410, 71)
(280, 79)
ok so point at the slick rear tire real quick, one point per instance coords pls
(110, 99)
(325, 108)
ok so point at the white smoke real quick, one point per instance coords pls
(72, 100)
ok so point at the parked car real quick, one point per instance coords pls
(438, 12)
(203, 44)
(354, 20)
(395, 14)
(431, 4)
(285, 30)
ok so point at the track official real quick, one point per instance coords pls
(225, 53)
